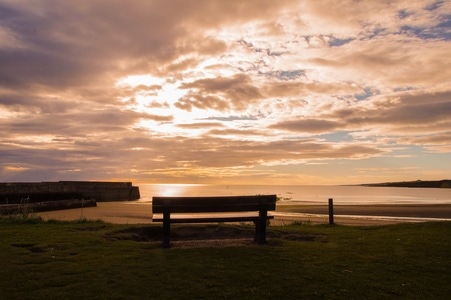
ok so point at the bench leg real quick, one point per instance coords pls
(260, 227)
(166, 230)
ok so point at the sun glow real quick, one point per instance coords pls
(170, 93)
(136, 80)
(171, 190)
(159, 104)
(165, 117)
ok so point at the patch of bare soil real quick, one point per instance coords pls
(217, 236)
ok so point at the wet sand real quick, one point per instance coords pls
(141, 213)
(365, 214)
(405, 210)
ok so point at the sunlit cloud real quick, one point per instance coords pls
(211, 91)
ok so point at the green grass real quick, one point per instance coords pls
(95, 260)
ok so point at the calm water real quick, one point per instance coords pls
(301, 194)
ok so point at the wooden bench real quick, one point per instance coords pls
(212, 209)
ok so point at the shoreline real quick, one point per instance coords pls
(362, 215)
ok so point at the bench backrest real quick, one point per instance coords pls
(213, 204)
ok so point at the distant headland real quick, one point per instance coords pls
(443, 184)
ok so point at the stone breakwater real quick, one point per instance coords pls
(25, 208)
(34, 192)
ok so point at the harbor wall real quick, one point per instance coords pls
(32, 192)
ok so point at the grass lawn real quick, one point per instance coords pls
(95, 260)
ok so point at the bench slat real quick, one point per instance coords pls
(210, 219)
(212, 208)
(214, 204)
(208, 199)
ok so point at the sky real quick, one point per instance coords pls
(225, 92)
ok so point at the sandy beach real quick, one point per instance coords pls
(141, 213)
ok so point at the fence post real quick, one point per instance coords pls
(331, 211)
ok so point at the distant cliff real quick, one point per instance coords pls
(446, 183)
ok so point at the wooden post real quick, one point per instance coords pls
(331, 211)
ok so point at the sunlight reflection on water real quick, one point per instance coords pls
(309, 195)
(170, 190)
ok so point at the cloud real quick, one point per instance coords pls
(214, 93)
(308, 125)
(203, 125)
(412, 109)
(236, 132)
(186, 90)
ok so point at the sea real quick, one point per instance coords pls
(306, 194)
